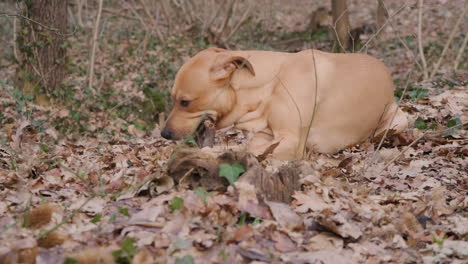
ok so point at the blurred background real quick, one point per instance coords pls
(57, 54)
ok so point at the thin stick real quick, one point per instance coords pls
(15, 36)
(315, 104)
(460, 53)
(420, 45)
(383, 26)
(68, 217)
(166, 14)
(93, 49)
(400, 39)
(30, 20)
(212, 19)
(374, 155)
(152, 20)
(79, 13)
(336, 32)
(228, 16)
(449, 40)
(241, 21)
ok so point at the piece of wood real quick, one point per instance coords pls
(205, 134)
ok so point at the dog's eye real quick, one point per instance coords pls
(184, 103)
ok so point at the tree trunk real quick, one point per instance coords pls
(41, 41)
(382, 14)
(341, 24)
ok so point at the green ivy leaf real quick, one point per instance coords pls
(190, 141)
(176, 203)
(127, 251)
(97, 218)
(187, 259)
(124, 211)
(128, 246)
(231, 171)
(420, 124)
(70, 261)
(200, 192)
(257, 221)
(419, 92)
(437, 240)
(453, 124)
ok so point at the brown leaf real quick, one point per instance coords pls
(338, 224)
(283, 242)
(310, 201)
(16, 139)
(285, 216)
(248, 201)
(325, 241)
(242, 233)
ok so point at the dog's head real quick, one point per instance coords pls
(203, 89)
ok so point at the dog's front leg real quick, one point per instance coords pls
(288, 148)
(259, 143)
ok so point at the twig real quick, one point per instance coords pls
(374, 155)
(143, 23)
(93, 49)
(383, 26)
(15, 37)
(241, 21)
(68, 217)
(212, 19)
(228, 16)
(315, 103)
(336, 32)
(449, 40)
(420, 45)
(460, 52)
(166, 14)
(414, 142)
(153, 22)
(79, 13)
(29, 19)
(70, 14)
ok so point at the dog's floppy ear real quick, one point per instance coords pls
(225, 65)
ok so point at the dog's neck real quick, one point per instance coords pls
(251, 98)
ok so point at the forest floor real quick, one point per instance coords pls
(87, 179)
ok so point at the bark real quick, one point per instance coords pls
(41, 42)
(382, 14)
(341, 24)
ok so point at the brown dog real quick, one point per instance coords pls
(321, 100)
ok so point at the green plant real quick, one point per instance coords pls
(200, 192)
(127, 251)
(419, 123)
(231, 171)
(187, 259)
(176, 203)
(454, 125)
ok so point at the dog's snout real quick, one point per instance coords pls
(166, 133)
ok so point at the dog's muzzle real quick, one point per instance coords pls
(167, 134)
